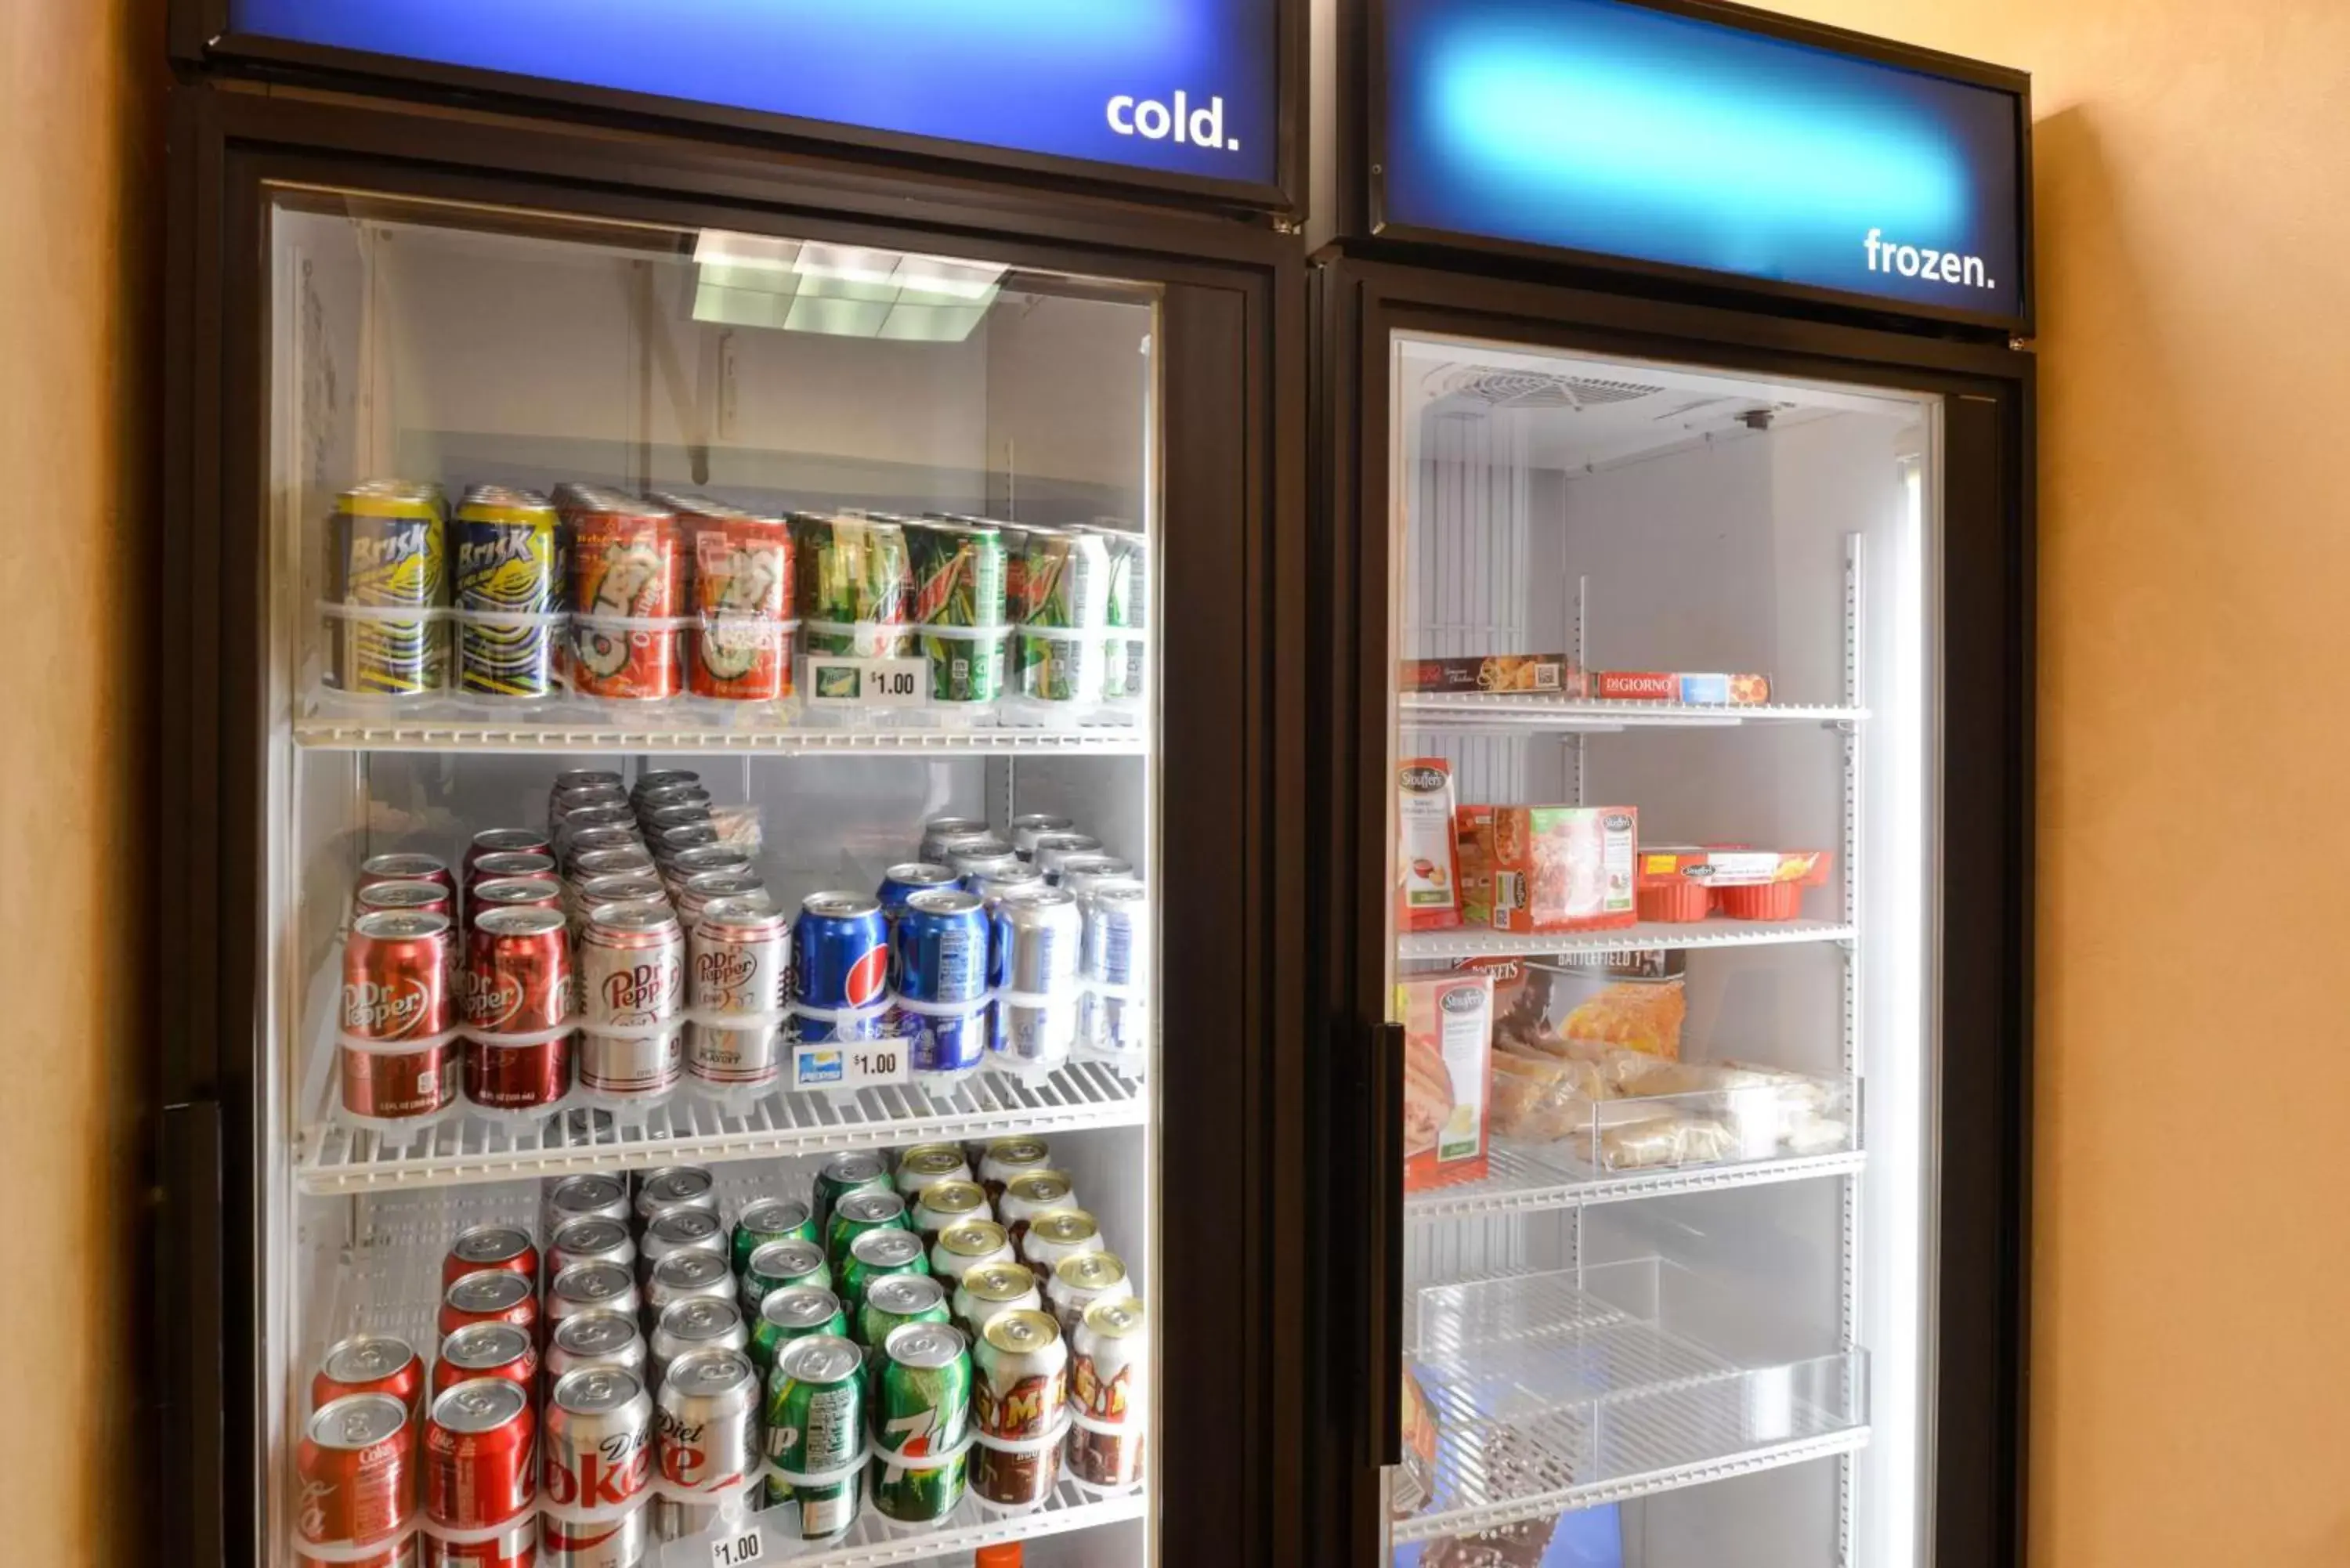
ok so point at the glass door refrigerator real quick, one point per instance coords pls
(724, 703)
(1678, 531)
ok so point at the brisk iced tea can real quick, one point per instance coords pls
(596, 1338)
(597, 1464)
(840, 965)
(742, 956)
(387, 575)
(923, 1410)
(356, 1467)
(1064, 611)
(939, 830)
(706, 1438)
(509, 594)
(854, 585)
(479, 1247)
(1026, 826)
(628, 592)
(490, 1295)
(1019, 1398)
(486, 1350)
(1109, 1374)
(816, 1431)
(480, 1467)
(959, 604)
(370, 1364)
(988, 1292)
(594, 1239)
(590, 1197)
(1037, 938)
(632, 986)
(741, 597)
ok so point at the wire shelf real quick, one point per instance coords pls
(1465, 711)
(1520, 1182)
(339, 1159)
(1476, 941)
(400, 733)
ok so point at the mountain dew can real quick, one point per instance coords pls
(959, 584)
(815, 1426)
(921, 1408)
(1065, 608)
(854, 583)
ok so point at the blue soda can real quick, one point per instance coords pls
(912, 877)
(939, 952)
(840, 955)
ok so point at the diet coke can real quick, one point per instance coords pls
(632, 985)
(598, 1462)
(486, 1350)
(695, 1323)
(742, 956)
(594, 1240)
(706, 1436)
(480, 1446)
(356, 1465)
(590, 1197)
(594, 1339)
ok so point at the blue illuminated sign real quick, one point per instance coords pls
(1605, 127)
(1184, 87)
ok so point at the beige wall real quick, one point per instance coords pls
(2191, 1367)
(79, 160)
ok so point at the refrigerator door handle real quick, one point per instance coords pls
(1383, 1298)
(187, 1402)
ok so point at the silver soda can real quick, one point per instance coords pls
(939, 829)
(700, 892)
(1114, 965)
(1109, 1394)
(1081, 1280)
(675, 814)
(695, 1323)
(1081, 874)
(593, 1197)
(597, 1461)
(599, 893)
(1029, 825)
(741, 959)
(591, 1287)
(666, 1187)
(675, 1230)
(706, 1438)
(668, 843)
(591, 1241)
(687, 864)
(973, 865)
(1036, 938)
(594, 1339)
(1006, 1160)
(632, 982)
(1054, 848)
(993, 886)
(688, 1276)
(1053, 1238)
(573, 779)
(654, 779)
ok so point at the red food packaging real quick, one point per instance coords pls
(1448, 1023)
(1427, 871)
(1564, 867)
(1472, 859)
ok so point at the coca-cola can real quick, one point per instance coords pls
(478, 1447)
(598, 1458)
(409, 897)
(632, 985)
(590, 1197)
(595, 1239)
(741, 959)
(594, 1339)
(486, 1350)
(492, 841)
(592, 1287)
(489, 1295)
(480, 1247)
(404, 868)
(513, 893)
(396, 978)
(356, 1467)
(370, 1363)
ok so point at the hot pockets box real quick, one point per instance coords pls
(1448, 1035)
(1564, 867)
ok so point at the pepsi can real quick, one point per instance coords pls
(840, 962)
(909, 877)
(939, 962)
(1036, 939)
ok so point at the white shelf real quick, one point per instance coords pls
(873, 1540)
(1520, 1182)
(1552, 1395)
(1477, 942)
(682, 733)
(337, 1158)
(1428, 711)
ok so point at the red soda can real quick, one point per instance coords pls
(370, 1363)
(480, 1443)
(356, 1467)
(410, 897)
(741, 585)
(505, 841)
(405, 867)
(395, 981)
(520, 863)
(518, 966)
(627, 566)
(490, 1295)
(486, 1350)
(516, 893)
(481, 1246)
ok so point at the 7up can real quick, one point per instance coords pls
(959, 603)
(1064, 609)
(921, 1411)
(894, 1301)
(853, 582)
(794, 1313)
(815, 1433)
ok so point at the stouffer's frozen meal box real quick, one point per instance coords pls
(1562, 868)
(1547, 674)
(1448, 1035)
(1428, 882)
(1679, 685)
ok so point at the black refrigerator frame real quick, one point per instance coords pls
(1364, 290)
(1234, 489)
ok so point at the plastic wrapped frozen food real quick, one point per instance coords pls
(1540, 1099)
(1564, 867)
(1632, 1001)
(1645, 1139)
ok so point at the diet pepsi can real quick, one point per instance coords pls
(1037, 938)
(1115, 1018)
(1025, 829)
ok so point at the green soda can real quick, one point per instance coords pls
(921, 1408)
(388, 550)
(855, 585)
(1129, 608)
(842, 1175)
(854, 1215)
(815, 1426)
(767, 1221)
(792, 1311)
(780, 1264)
(509, 586)
(878, 1256)
(893, 1300)
(959, 588)
(1064, 611)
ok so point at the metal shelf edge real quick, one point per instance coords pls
(1568, 1193)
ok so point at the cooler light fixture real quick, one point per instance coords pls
(848, 291)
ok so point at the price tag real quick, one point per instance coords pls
(839, 681)
(849, 1064)
(745, 1543)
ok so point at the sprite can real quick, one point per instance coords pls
(854, 585)
(878, 1256)
(794, 1312)
(843, 1174)
(815, 1426)
(922, 1409)
(781, 1265)
(958, 590)
(388, 550)
(768, 1220)
(1063, 610)
(893, 1300)
(858, 1213)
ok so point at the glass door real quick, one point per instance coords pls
(710, 1080)
(1662, 855)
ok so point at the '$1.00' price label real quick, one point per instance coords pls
(841, 681)
(736, 1544)
(849, 1064)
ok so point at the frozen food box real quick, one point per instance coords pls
(1679, 685)
(1544, 674)
(1564, 867)
(1427, 879)
(1448, 1032)
(1473, 859)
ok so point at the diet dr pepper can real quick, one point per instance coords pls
(632, 986)
(741, 969)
